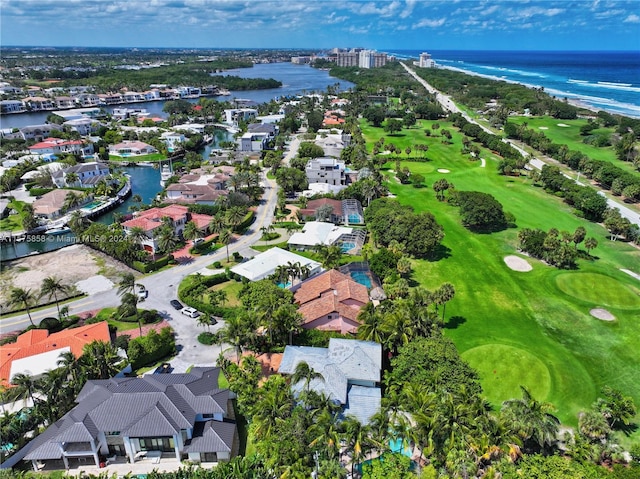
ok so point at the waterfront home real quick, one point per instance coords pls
(51, 205)
(179, 416)
(234, 116)
(11, 106)
(57, 146)
(350, 374)
(253, 141)
(110, 99)
(150, 220)
(131, 148)
(173, 139)
(37, 351)
(38, 103)
(38, 132)
(64, 102)
(87, 99)
(271, 129)
(331, 301)
(84, 126)
(199, 188)
(87, 175)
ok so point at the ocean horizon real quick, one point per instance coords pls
(602, 80)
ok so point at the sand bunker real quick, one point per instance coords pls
(563, 125)
(517, 264)
(443, 170)
(602, 314)
(543, 127)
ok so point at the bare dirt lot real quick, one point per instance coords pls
(70, 265)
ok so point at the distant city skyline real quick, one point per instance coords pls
(321, 24)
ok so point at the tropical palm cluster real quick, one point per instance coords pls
(51, 287)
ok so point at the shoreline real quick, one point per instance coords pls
(577, 101)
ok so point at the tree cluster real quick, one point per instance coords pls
(480, 211)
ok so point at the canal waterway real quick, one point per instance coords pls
(296, 80)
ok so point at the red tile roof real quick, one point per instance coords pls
(328, 293)
(38, 341)
(51, 142)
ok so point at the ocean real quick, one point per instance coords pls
(603, 80)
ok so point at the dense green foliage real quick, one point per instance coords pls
(480, 211)
(151, 348)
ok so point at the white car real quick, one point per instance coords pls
(191, 312)
(141, 292)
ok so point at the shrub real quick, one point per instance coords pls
(207, 338)
(151, 348)
(50, 324)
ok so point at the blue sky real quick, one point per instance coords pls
(382, 25)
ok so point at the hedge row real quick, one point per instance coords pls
(149, 349)
(205, 247)
(39, 191)
(190, 292)
(246, 222)
(153, 266)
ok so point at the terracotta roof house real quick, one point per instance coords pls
(131, 148)
(183, 416)
(198, 188)
(50, 205)
(331, 301)
(37, 351)
(151, 219)
(350, 372)
(347, 211)
(58, 146)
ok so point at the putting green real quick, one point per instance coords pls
(598, 289)
(503, 369)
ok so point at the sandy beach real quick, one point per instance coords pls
(71, 264)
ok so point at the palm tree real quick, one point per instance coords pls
(71, 200)
(329, 255)
(77, 222)
(203, 320)
(25, 385)
(589, 244)
(51, 286)
(532, 420)
(138, 235)
(357, 438)
(217, 224)
(167, 240)
(24, 297)
(69, 364)
(100, 360)
(129, 300)
(71, 178)
(306, 373)
(191, 231)
(372, 325)
(127, 284)
(444, 294)
(225, 238)
(235, 215)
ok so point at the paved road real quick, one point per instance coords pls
(448, 105)
(163, 286)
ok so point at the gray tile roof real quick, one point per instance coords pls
(212, 436)
(151, 406)
(344, 361)
(362, 403)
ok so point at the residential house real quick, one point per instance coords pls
(331, 301)
(326, 170)
(131, 148)
(57, 146)
(110, 99)
(87, 99)
(271, 129)
(332, 142)
(88, 175)
(347, 211)
(80, 113)
(173, 139)
(51, 205)
(234, 116)
(64, 102)
(350, 371)
(181, 416)
(265, 264)
(253, 141)
(11, 106)
(199, 187)
(317, 233)
(38, 103)
(37, 351)
(151, 219)
(38, 132)
(84, 126)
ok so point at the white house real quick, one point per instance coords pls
(88, 175)
(131, 148)
(317, 233)
(326, 170)
(234, 115)
(265, 264)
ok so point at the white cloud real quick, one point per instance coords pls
(430, 23)
(408, 9)
(633, 18)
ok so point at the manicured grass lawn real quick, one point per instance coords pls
(528, 330)
(140, 158)
(232, 288)
(571, 137)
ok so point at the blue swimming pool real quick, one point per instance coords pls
(361, 277)
(347, 246)
(92, 205)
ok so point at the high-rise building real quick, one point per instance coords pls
(426, 61)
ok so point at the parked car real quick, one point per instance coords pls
(164, 368)
(198, 241)
(141, 291)
(191, 312)
(176, 304)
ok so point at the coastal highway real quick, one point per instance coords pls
(449, 106)
(163, 285)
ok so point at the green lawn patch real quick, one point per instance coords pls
(495, 363)
(599, 289)
(138, 159)
(232, 288)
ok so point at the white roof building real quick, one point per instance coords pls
(265, 264)
(318, 232)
